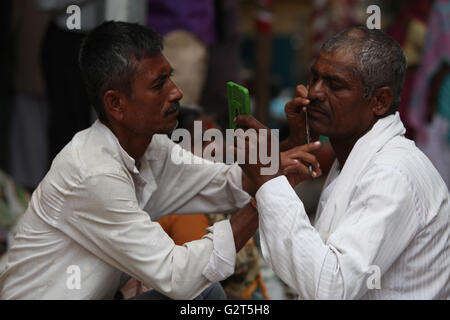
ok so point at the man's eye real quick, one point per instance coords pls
(334, 86)
(159, 86)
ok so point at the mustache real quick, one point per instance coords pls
(318, 106)
(174, 107)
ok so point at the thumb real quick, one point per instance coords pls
(311, 146)
(247, 122)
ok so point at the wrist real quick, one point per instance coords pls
(263, 179)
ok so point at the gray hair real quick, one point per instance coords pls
(380, 60)
(109, 57)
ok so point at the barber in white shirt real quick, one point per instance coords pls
(90, 221)
(381, 229)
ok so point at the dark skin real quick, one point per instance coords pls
(336, 107)
(294, 162)
(135, 118)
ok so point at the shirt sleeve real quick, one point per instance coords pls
(200, 186)
(379, 223)
(104, 217)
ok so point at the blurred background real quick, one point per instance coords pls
(266, 45)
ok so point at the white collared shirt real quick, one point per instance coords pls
(393, 243)
(90, 222)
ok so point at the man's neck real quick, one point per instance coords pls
(342, 149)
(343, 145)
(133, 144)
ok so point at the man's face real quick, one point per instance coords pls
(153, 104)
(338, 108)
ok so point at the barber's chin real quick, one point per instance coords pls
(316, 127)
(171, 126)
(176, 125)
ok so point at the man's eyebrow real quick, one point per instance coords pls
(163, 76)
(329, 77)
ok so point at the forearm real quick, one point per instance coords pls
(315, 262)
(289, 243)
(244, 224)
(248, 185)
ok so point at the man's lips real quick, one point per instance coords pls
(313, 111)
(173, 108)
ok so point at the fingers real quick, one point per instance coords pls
(294, 107)
(246, 121)
(310, 146)
(295, 104)
(298, 168)
(303, 157)
(287, 162)
(246, 146)
(301, 91)
(301, 168)
(307, 159)
(301, 101)
(306, 148)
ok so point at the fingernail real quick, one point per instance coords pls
(317, 143)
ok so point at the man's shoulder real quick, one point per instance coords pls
(400, 159)
(402, 155)
(159, 147)
(88, 154)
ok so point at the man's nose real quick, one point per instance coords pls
(175, 92)
(317, 90)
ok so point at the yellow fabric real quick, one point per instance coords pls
(415, 41)
(184, 228)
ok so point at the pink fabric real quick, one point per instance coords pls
(437, 50)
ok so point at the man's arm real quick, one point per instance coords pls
(199, 186)
(248, 185)
(378, 225)
(103, 216)
(244, 224)
(295, 115)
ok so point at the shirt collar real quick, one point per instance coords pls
(128, 161)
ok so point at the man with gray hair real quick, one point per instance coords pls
(381, 230)
(90, 224)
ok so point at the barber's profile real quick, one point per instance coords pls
(224, 151)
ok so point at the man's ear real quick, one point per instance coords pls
(381, 100)
(113, 102)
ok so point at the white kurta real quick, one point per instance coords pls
(386, 211)
(92, 216)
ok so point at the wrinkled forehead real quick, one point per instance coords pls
(341, 62)
(153, 67)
